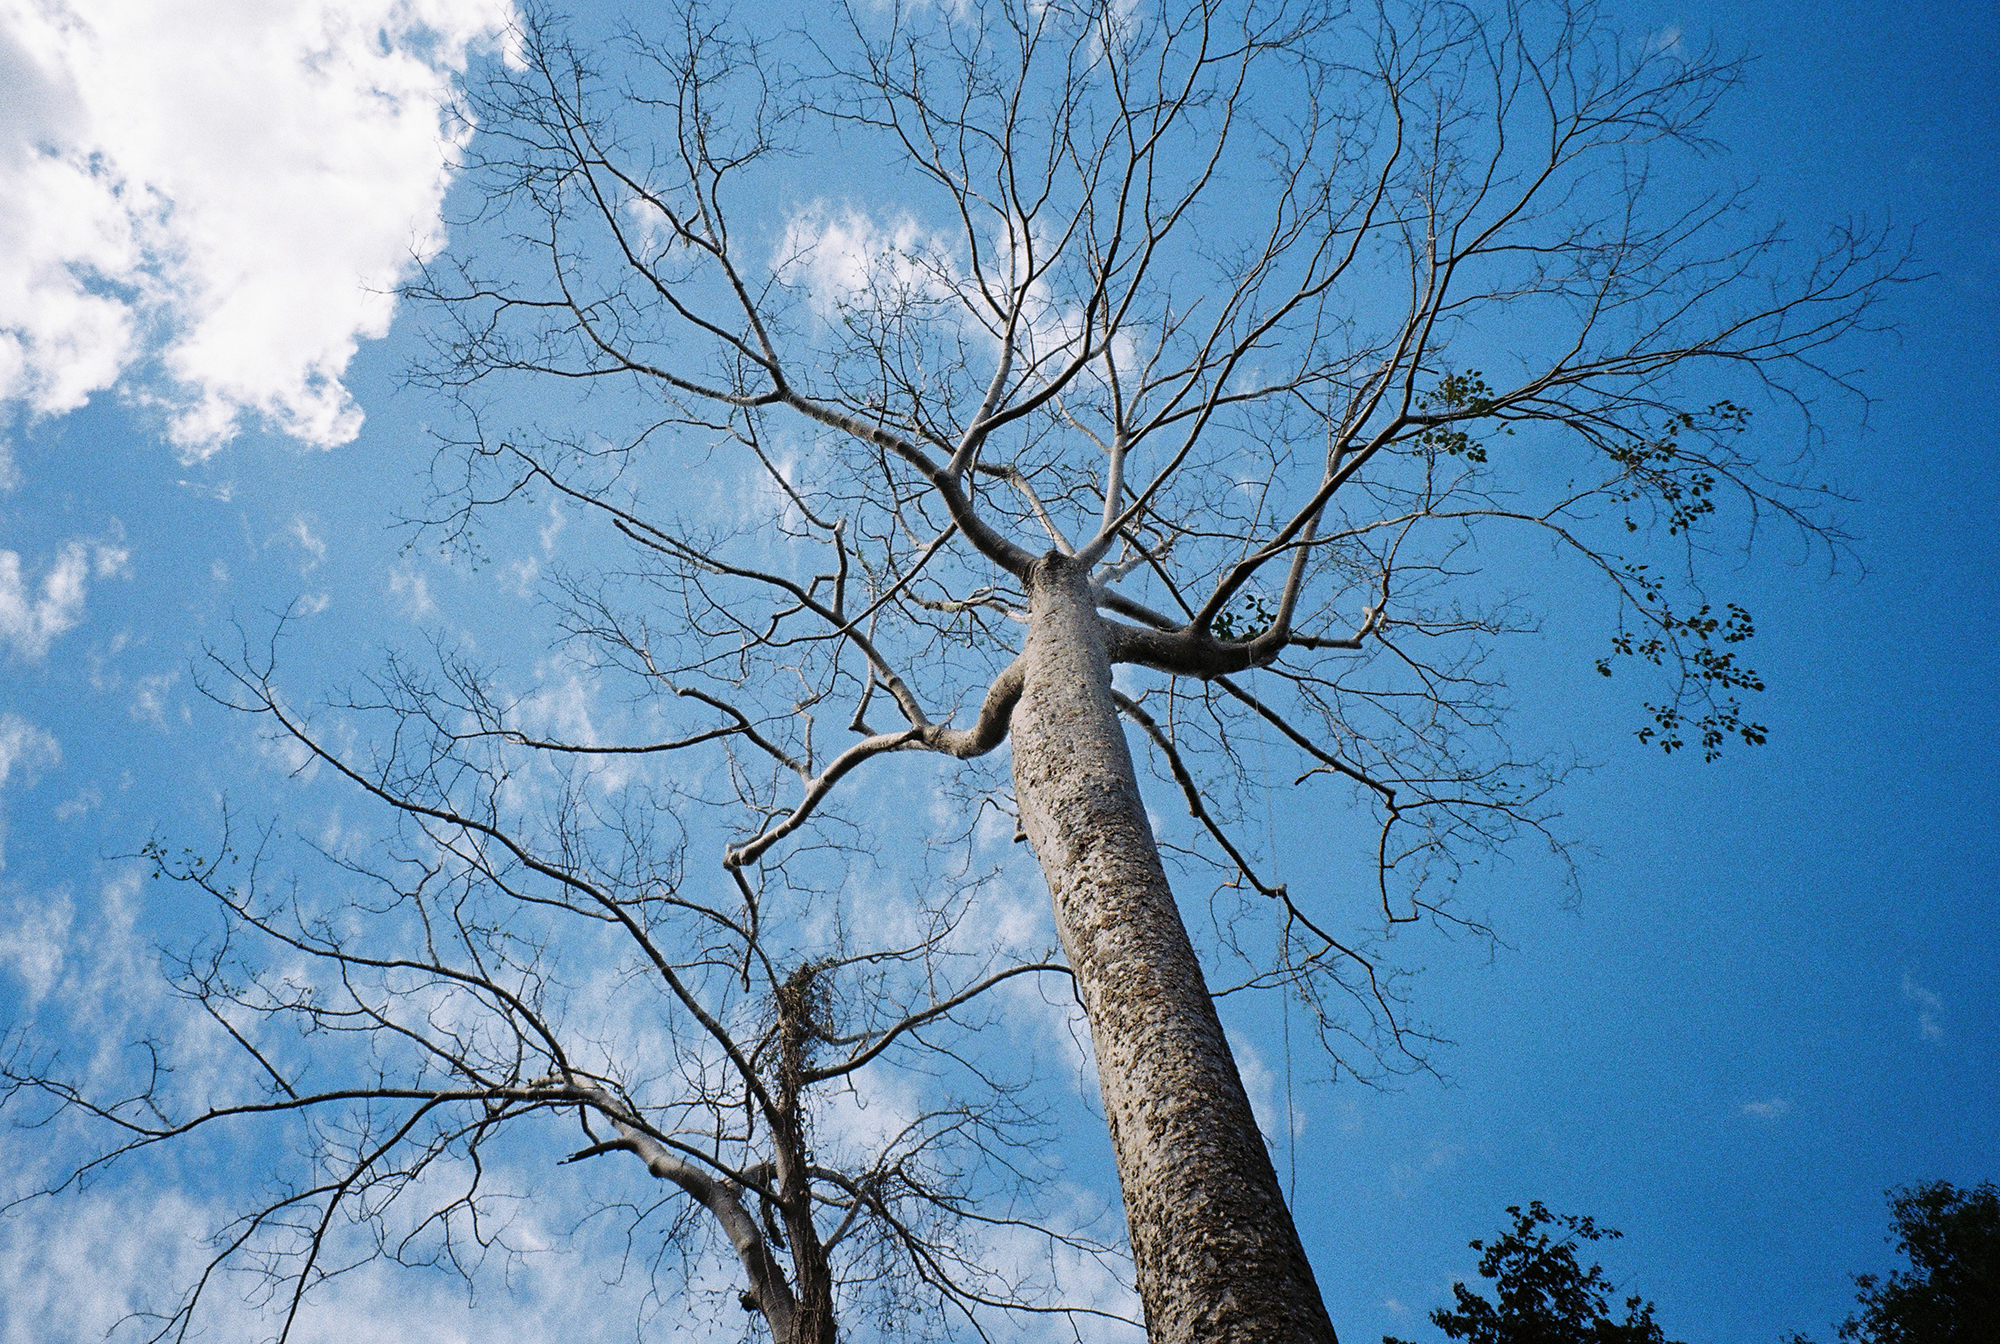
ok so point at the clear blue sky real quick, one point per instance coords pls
(1780, 990)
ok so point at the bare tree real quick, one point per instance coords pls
(1226, 349)
(408, 1010)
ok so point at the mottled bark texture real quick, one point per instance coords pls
(1217, 1255)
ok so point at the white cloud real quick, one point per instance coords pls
(1769, 1109)
(525, 571)
(415, 592)
(847, 262)
(1263, 1087)
(34, 942)
(149, 698)
(288, 754)
(76, 1269)
(30, 623)
(75, 1266)
(842, 256)
(105, 986)
(1930, 1009)
(218, 196)
(553, 528)
(566, 711)
(310, 543)
(79, 804)
(110, 562)
(24, 749)
(1024, 1263)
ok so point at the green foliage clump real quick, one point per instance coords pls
(1458, 396)
(1245, 619)
(1545, 1295)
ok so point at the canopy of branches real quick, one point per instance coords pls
(1308, 348)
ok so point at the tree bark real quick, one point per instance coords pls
(812, 1279)
(1217, 1255)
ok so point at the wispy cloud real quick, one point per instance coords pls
(24, 748)
(413, 590)
(1930, 1009)
(149, 701)
(32, 619)
(79, 804)
(34, 941)
(24, 751)
(309, 542)
(1769, 1109)
(33, 615)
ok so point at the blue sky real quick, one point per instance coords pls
(1777, 994)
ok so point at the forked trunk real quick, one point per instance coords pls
(1217, 1255)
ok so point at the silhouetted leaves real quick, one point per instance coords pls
(1951, 1294)
(1545, 1294)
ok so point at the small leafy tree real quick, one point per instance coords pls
(1546, 1296)
(1952, 1293)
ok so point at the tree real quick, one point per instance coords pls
(1951, 1294)
(1545, 1296)
(1237, 350)
(486, 964)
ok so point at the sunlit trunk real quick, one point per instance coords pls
(1218, 1257)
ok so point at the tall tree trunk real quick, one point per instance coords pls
(1217, 1255)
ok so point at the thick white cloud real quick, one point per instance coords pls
(217, 198)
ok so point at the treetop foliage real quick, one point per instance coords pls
(1545, 1294)
(1951, 1292)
